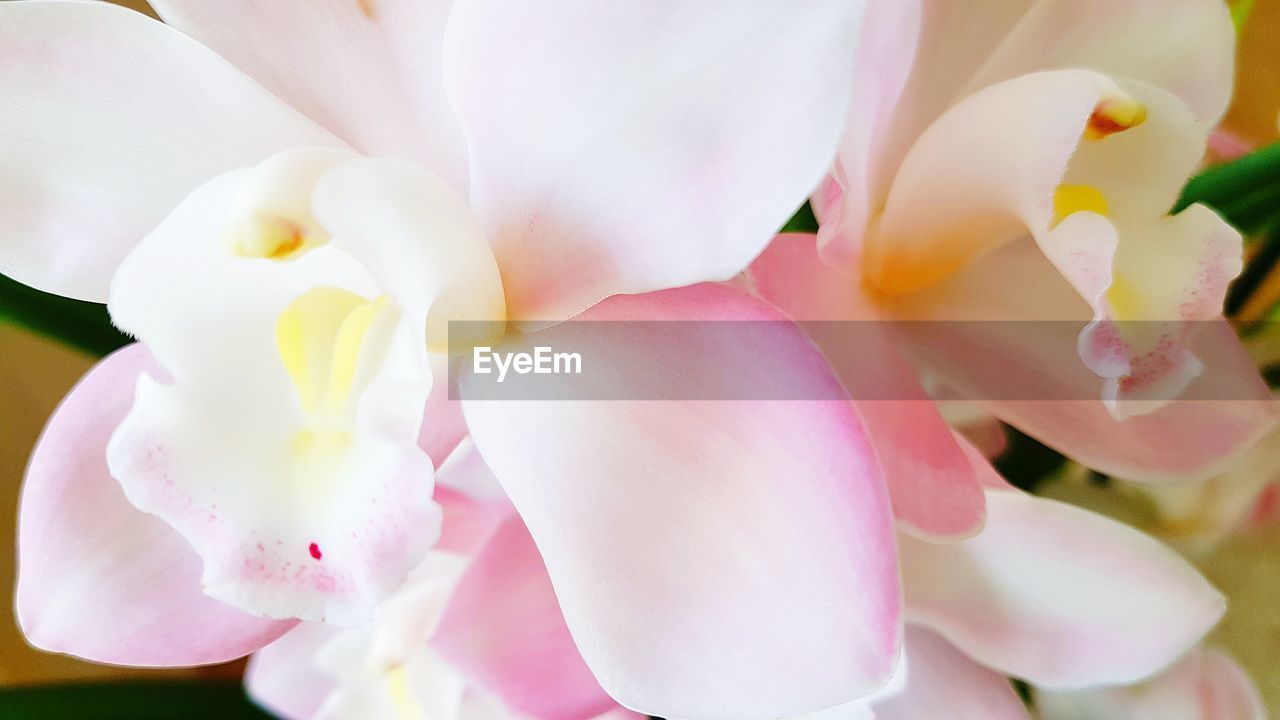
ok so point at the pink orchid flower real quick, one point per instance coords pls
(1107, 605)
(263, 456)
(1019, 164)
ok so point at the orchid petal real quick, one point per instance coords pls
(941, 44)
(80, 538)
(283, 676)
(931, 482)
(635, 122)
(313, 500)
(886, 55)
(110, 119)
(368, 70)
(1207, 685)
(443, 426)
(1096, 202)
(942, 683)
(1187, 47)
(1005, 332)
(1059, 596)
(673, 530)
(504, 631)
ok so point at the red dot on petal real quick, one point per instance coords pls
(315, 551)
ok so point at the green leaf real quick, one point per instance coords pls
(1246, 191)
(82, 325)
(130, 701)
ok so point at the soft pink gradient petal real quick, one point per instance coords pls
(699, 548)
(1019, 357)
(368, 70)
(933, 486)
(885, 58)
(943, 683)
(283, 677)
(613, 155)
(472, 511)
(947, 48)
(98, 578)
(1059, 596)
(1206, 685)
(110, 119)
(504, 631)
(443, 426)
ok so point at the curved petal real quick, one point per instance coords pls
(110, 119)
(1004, 332)
(984, 189)
(1207, 685)
(474, 504)
(368, 70)
(283, 677)
(1059, 596)
(504, 631)
(1186, 46)
(932, 484)
(699, 547)
(633, 106)
(443, 426)
(1089, 169)
(943, 683)
(314, 500)
(942, 44)
(80, 538)
(886, 55)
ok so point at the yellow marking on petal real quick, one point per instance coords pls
(1114, 115)
(319, 337)
(1071, 199)
(346, 351)
(325, 442)
(401, 699)
(271, 237)
(1124, 300)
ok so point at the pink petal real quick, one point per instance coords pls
(503, 630)
(592, 116)
(943, 683)
(699, 547)
(1059, 596)
(1013, 345)
(942, 44)
(368, 70)
(98, 578)
(443, 425)
(110, 120)
(472, 513)
(283, 676)
(886, 55)
(933, 486)
(1206, 685)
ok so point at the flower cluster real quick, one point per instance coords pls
(303, 211)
